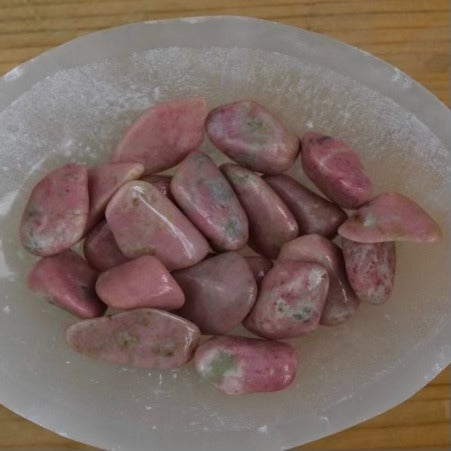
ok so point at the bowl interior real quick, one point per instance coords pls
(76, 107)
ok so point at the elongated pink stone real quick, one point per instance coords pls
(219, 292)
(163, 135)
(144, 337)
(237, 365)
(271, 224)
(206, 197)
(391, 217)
(313, 213)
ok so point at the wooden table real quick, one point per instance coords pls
(411, 34)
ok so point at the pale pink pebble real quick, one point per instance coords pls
(55, 216)
(335, 169)
(238, 365)
(390, 217)
(163, 135)
(103, 181)
(145, 338)
(69, 282)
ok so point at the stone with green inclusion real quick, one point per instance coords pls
(219, 366)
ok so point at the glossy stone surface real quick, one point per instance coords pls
(144, 221)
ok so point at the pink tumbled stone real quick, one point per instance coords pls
(271, 224)
(143, 282)
(206, 197)
(290, 300)
(69, 282)
(390, 217)
(219, 292)
(341, 302)
(335, 169)
(163, 135)
(145, 338)
(371, 269)
(55, 216)
(313, 213)
(238, 365)
(144, 221)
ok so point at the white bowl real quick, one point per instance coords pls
(73, 102)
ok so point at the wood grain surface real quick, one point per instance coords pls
(414, 35)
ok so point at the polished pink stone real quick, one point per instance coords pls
(69, 282)
(206, 197)
(335, 169)
(237, 365)
(290, 300)
(55, 216)
(145, 337)
(271, 224)
(250, 135)
(341, 302)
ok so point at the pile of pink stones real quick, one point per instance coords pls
(155, 243)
